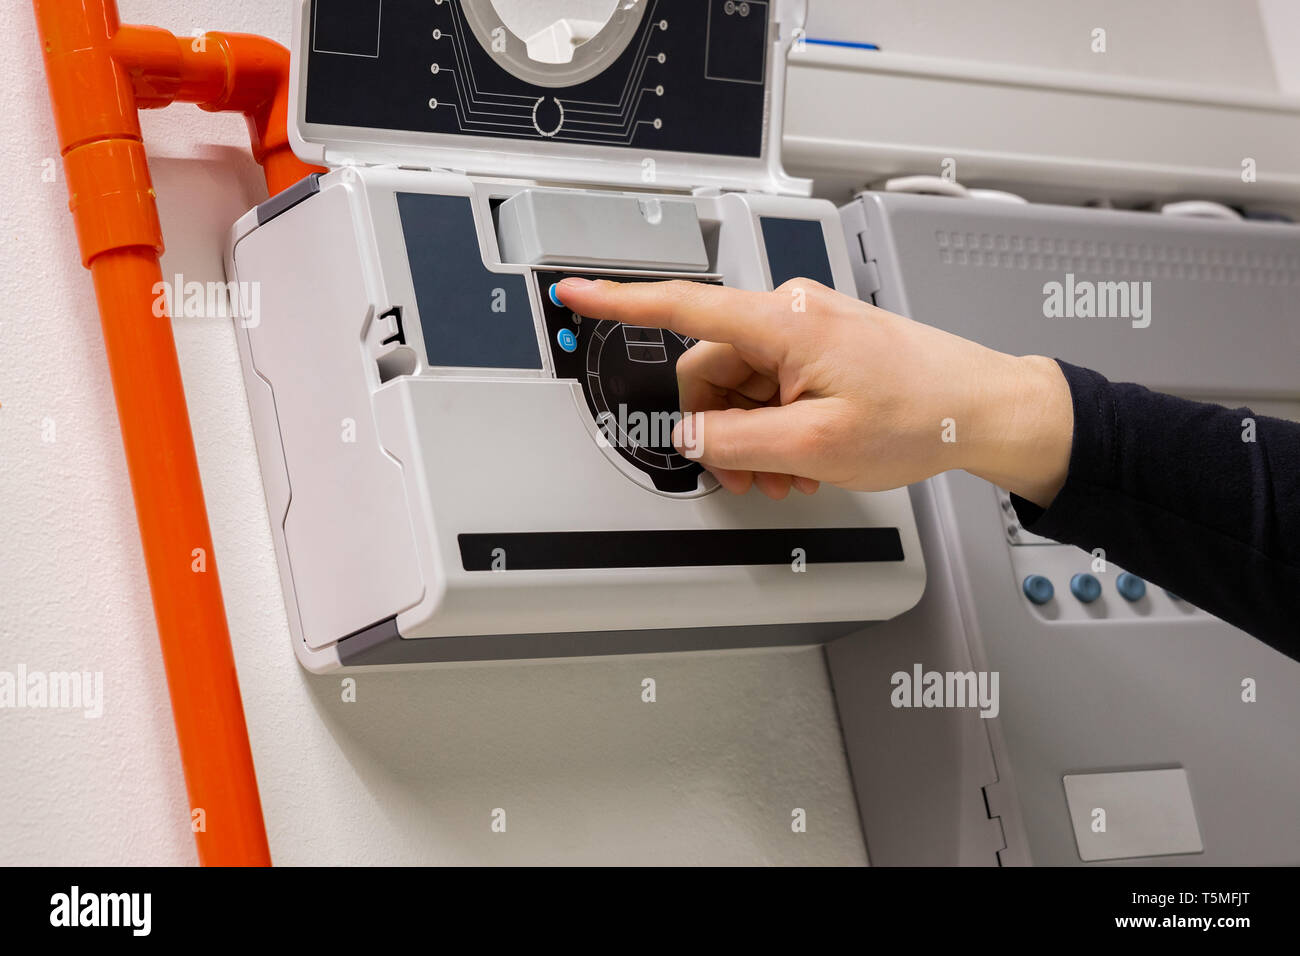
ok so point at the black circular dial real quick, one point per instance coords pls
(629, 377)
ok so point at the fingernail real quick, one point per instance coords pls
(575, 282)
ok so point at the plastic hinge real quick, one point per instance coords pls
(995, 815)
(868, 274)
(285, 200)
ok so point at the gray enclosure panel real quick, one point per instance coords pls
(1110, 694)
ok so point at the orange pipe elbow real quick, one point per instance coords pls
(221, 72)
(99, 74)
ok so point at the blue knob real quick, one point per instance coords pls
(1085, 587)
(1130, 587)
(1038, 589)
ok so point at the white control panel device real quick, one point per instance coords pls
(458, 468)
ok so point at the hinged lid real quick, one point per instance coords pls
(673, 94)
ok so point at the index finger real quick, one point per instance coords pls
(699, 310)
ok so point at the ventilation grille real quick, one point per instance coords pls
(1128, 260)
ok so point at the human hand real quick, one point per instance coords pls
(803, 385)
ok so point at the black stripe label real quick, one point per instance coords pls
(574, 550)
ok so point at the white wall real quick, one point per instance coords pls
(411, 772)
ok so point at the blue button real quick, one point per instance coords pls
(555, 298)
(1038, 589)
(1085, 587)
(568, 339)
(1131, 587)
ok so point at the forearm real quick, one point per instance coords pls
(1024, 429)
(1197, 498)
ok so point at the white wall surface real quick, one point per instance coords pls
(411, 772)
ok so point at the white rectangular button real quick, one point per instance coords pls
(1129, 814)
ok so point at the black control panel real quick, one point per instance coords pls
(629, 377)
(692, 77)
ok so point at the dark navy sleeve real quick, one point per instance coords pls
(1197, 498)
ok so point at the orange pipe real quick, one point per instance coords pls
(100, 73)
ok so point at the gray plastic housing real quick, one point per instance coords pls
(601, 230)
(1114, 686)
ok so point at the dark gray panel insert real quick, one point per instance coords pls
(796, 248)
(470, 317)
